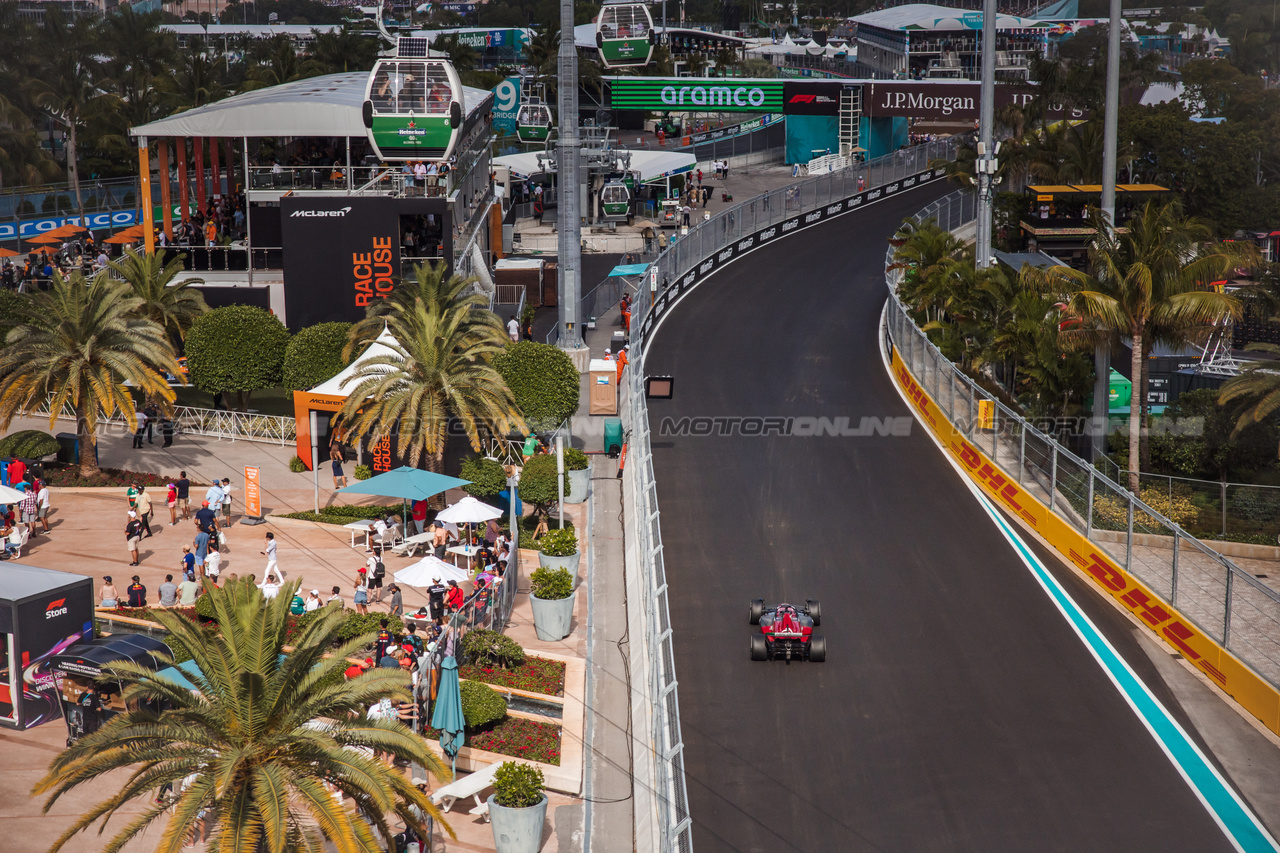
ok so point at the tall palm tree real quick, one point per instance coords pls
(195, 80)
(78, 344)
(67, 86)
(174, 307)
(344, 50)
(1143, 285)
(441, 368)
(438, 293)
(1258, 387)
(266, 737)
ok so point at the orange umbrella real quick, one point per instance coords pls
(44, 238)
(45, 250)
(67, 230)
(122, 238)
(8, 253)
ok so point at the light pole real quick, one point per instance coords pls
(569, 144)
(1110, 122)
(985, 164)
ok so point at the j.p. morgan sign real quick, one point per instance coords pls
(689, 93)
(945, 100)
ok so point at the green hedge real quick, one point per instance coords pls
(490, 648)
(340, 514)
(236, 348)
(315, 355)
(28, 444)
(486, 475)
(481, 705)
(538, 482)
(543, 380)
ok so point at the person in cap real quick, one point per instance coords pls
(137, 593)
(313, 601)
(206, 518)
(454, 597)
(108, 596)
(435, 597)
(133, 535)
(361, 597)
(622, 362)
(397, 600)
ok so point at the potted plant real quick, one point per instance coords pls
(551, 596)
(559, 550)
(517, 808)
(577, 471)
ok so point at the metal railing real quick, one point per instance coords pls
(216, 423)
(659, 773)
(1226, 602)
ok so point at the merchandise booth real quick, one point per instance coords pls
(326, 400)
(42, 613)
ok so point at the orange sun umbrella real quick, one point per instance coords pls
(44, 238)
(44, 250)
(122, 238)
(8, 253)
(67, 230)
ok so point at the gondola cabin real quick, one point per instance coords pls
(413, 105)
(533, 121)
(615, 200)
(624, 35)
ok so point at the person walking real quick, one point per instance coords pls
(42, 504)
(184, 495)
(152, 413)
(142, 504)
(171, 501)
(201, 542)
(133, 535)
(141, 429)
(270, 553)
(27, 510)
(376, 579)
(335, 460)
(513, 329)
(166, 430)
(361, 597)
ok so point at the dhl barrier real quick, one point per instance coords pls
(1219, 617)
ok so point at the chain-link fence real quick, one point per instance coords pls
(1153, 537)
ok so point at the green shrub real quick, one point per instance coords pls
(236, 348)
(315, 355)
(543, 380)
(29, 444)
(481, 705)
(551, 584)
(486, 475)
(362, 472)
(538, 482)
(359, 624)
(296, 465)
(517, 785)
(575, 460)
(490, 648)
(559, 543)
(204, 607)
(339, 514)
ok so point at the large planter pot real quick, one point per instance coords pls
(569, 563)
(517, 830)
(552, 620)
(579, 485)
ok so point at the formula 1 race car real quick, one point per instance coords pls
(786, 631)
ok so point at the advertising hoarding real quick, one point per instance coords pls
(805, 98)
(689, 94)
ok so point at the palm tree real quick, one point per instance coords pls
(174, 307)
(194, 82)
(1148, 283)
(267, 738)
(67, 86)
(440, 369)
(78, 344)
(1258, 386)
(920, 249)
(348, 49)
(439, 294)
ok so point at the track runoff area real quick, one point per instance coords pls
(958, 708)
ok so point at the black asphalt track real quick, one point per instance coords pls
(956, 710)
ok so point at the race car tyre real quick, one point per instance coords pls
(759, 648)
(757, 610)
(818, 649)
(815, 610)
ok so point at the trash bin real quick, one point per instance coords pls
(68, 449)
(613, 437)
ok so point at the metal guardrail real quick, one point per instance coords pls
(217, 423)
(1223, 600)
(660, 771)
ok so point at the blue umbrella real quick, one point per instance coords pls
(411, 484)
(447, 716)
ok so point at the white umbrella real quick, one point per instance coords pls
(428, 570)
(468, 511)
(10, 495)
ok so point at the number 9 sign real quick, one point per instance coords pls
(506, 96)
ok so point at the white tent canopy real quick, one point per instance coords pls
(335, 386)
(331, 105)
(652, 165)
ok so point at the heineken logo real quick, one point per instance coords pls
(713, 96)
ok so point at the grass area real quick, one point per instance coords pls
(537, 675)
(341, 513)
(514, 736)
(269, 401)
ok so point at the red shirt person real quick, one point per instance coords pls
(17, 470)
(454, 597)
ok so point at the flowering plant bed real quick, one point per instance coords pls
(537, 675)
(514, 736)
(69, 475)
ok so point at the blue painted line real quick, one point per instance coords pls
(1242, 828)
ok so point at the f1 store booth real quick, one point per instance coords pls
(879, 110)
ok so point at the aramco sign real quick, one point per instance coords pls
(686, 93)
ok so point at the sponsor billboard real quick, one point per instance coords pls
(690, 94)
(506, 105)
(945, 100)
(43, 626)
(802, 98)
(342, 254)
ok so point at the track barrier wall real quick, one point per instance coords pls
(1219, 617)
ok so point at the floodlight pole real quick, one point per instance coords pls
(985, 164)
(1110, 125)
(569, 221)
(560, 477)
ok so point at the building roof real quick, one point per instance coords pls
(1059, 189)
(584, 35)
(255, 30)
(927, 17)
(330, 105)
(19, 582)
